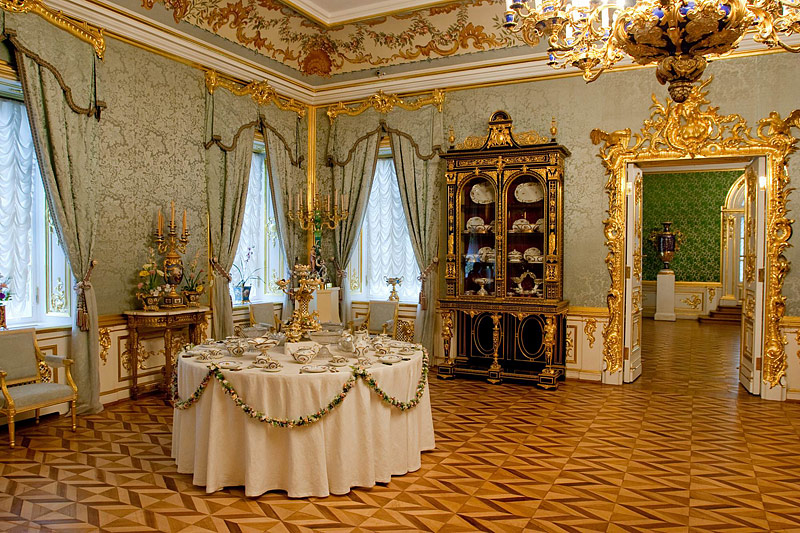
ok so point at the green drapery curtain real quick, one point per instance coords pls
(355, 145)
(230, 130)
(57, 72)
(285, 173)
(416, 139)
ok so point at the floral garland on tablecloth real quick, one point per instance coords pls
(358, 373)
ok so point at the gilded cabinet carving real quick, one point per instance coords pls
(504, 263)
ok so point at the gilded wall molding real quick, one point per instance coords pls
(688, 130)
(383, 103)
(105, 344)
(589, 329)
(80, 29)
(260, 91)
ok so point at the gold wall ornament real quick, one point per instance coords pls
(80, 29)
(694, 301)
(261, 92)
(105, 344)
(589, 329)
(688, 130)
(711, 293)
(383, 103)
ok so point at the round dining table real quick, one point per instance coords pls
(361, 441)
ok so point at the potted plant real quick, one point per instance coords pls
(5, 296)
(193, 282)
(150, 283)
(244, 275)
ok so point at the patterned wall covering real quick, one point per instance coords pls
(281, 33)
(691, 201)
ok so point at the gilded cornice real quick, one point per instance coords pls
(80, 29)
(688, 130)
(383, 103)
(260, 91)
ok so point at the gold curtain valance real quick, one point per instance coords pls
(383, 103)
(436, 150)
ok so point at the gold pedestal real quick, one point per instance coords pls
(301, 321)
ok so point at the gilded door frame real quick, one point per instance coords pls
(694, 130)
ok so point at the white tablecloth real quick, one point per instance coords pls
(361, 442)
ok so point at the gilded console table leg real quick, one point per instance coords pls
(495, 370)
(548, 378)
(445, 370)
(168, 364)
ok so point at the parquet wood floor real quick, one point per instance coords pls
(681, 450)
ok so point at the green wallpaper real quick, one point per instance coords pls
(691, 201)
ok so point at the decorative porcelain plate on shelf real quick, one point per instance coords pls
(474, 223)
(540, 225)
(533, 255)
(482, 193)
(521, 225)
(528, 193)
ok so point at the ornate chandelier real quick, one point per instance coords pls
(677, 34)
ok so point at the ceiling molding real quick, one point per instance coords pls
(356, 10)
(529, 66)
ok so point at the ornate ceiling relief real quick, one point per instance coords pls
(281, 33)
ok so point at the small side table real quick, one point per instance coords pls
(167, 320)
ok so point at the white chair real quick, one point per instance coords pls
(264, 314)
(381, 317)
(25, 375)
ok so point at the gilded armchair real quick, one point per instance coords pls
(264, 314)
(381, 317)
(25, 378)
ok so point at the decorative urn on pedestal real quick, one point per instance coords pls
(666, 243)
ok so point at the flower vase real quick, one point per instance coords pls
(3, 316)
(665, 244)
(191, 298)
(241, 293)
(149, 301)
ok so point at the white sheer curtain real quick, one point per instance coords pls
(386, 243)
(19, 174)
(252, 229)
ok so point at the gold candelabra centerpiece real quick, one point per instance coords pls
(592, 35)
(172, 246)
(320, 215)
(301, 320)
(394, 282)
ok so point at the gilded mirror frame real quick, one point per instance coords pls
(694, 130)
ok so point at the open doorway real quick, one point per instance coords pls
(701, 346)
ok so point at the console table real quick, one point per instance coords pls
(167, 321)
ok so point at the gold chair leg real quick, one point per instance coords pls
(11, 430)
(37, 416)
(74, 419)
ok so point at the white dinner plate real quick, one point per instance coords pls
(265, 369)
(313, 369)
(343, 363)
(229, 365)
(528, 193)
(390, 359)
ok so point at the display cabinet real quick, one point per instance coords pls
(504, 263)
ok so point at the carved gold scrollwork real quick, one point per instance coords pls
(694, 301)
(105, 344)
(125, 357)
(711, 293)
(383, 103)
(570, 345)
(589, 329)
(80, 29)
(45, 372)
(686, 130)
(260, 91)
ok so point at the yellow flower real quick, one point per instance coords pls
(199, 288)
(144, 273)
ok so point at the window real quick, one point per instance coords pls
(30, 254)
(259, 257)
(384, 246)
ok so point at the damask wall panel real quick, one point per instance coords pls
(691, 201)
(151, 153)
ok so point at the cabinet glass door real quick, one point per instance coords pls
(477, 228)
(525, 236)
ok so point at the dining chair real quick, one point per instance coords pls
(381, 317)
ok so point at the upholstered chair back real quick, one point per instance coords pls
(18, 355)
(380, 312)
(263, 313)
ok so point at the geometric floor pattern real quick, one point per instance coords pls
(660, 455)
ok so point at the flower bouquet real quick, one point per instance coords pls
(5, 295)
(150, 285)
(193, 282)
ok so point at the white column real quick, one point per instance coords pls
(665, 295)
